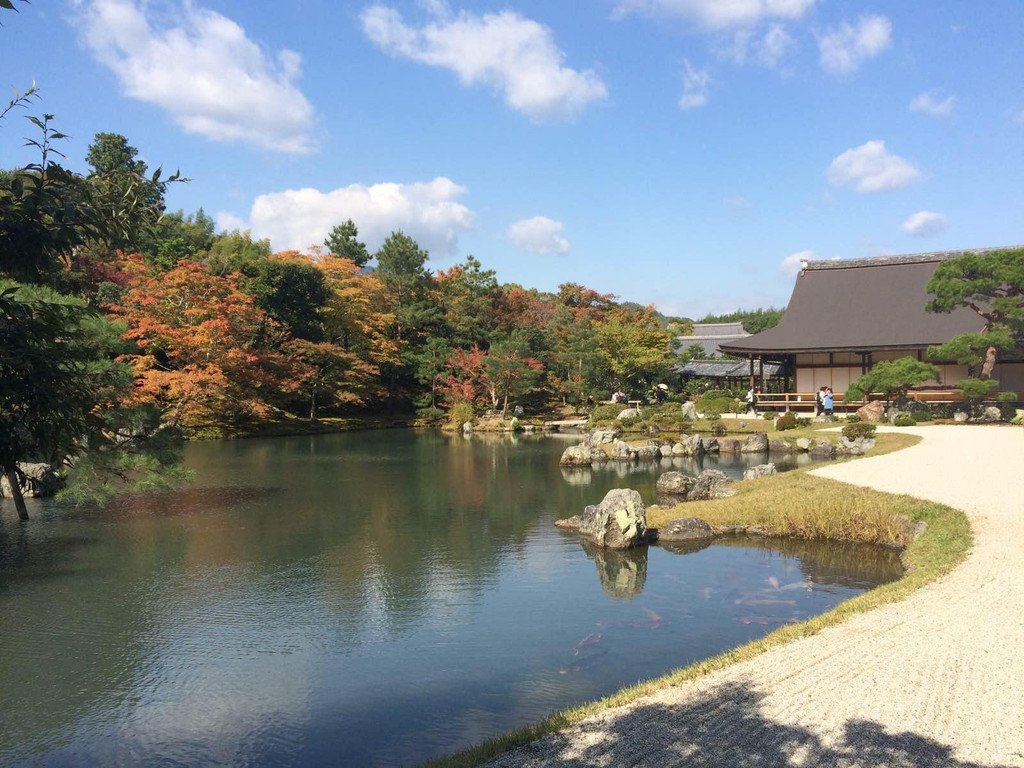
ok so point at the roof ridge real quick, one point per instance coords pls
(905, 258)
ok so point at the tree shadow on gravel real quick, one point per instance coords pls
(727, 729)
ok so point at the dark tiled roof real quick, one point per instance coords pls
(860, 305)
(710, 337)
(719, 329)
(721, 369)
(906, 258)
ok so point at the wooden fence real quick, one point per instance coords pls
(798, 401)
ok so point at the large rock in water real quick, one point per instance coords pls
(618, 522)
(648, 452)
(40, 480)
(685, 529)
(693, 445)
(576, 456)
(780, 446)
(872, 412)
(623, 451)
(755, 443)
(689, 411)
(729, 445)
(804, 443)
(675, 484)
(710, 484)
(599, 436)
(761, 470)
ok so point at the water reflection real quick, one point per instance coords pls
(385, 597)
(622, 573)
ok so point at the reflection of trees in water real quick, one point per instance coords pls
(835, 563)
(623, 573)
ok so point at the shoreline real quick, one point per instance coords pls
(945, 543)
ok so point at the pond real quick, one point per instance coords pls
(374, 598)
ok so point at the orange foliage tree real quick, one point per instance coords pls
(206, 352)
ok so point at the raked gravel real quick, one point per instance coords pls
(934, 680)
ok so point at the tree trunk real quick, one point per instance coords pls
(989, 364)
(19, 500)
(504, 406)
(312, 408)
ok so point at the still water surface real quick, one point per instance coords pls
(374, 598)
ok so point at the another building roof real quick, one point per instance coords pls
(710, 337)
(860, 305)
(723, 369)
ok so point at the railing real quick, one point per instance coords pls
(794, 401)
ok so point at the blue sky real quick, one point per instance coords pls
(680, 152)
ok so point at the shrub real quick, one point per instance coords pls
(904, 420)
(859, 429)
(459, 414)
(718, 429)
(769, 415)
(786, 421)
(630, 422)
(606, 412)
(853, 418)
(514, 424)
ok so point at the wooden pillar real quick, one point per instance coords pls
(751, 371)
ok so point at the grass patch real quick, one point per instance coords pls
(944, 544)
(799, 504)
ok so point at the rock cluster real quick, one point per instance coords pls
(755, 443)
(856, 447)
(37, 481)
(709, 484)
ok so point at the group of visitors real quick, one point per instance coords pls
(823, 402)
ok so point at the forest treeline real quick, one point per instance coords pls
(141, 325)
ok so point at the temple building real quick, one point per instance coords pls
(846, 315)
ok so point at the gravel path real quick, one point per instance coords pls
(934, 680)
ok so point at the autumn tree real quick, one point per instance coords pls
(992, 286)
(329, 375)
(204, 351)
(634, 346)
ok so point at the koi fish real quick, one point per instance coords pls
(762, 601)
(798, 585)
(583, 664)
(652, 615)
(773, 583)
(706, 592)
(593, 639)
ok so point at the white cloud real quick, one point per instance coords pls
(695, 87)
(719, 14)
(924, 224)
(792, 264)
(538, 235)
(871, 169)
(514, 55)
(204, 70)
(844, 48)
(932, 103)
(297, 218)
(766, 50)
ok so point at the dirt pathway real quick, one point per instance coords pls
(934, 680)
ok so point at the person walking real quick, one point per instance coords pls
(818, 397)
(827, 402)
(752, 400)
